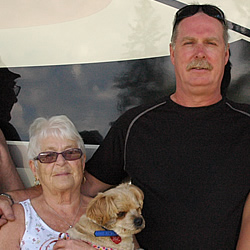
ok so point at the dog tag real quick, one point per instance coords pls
(116, 239)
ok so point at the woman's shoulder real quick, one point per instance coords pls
(18, 210)
(12, 231)
(19, 216)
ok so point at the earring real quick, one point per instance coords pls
(84, 178)
(36, 182)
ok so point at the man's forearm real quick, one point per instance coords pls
(9, 177)
(23, 194)
(10, 181)
(91, 186)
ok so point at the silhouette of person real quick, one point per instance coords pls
(91, 137)
(8, 97)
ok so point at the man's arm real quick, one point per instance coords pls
(244, 238)
(9, 177)
(90, 188)
(91, 185)
(6, 212)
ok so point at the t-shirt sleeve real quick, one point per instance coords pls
(107, 162)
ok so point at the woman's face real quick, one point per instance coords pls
(61, 175)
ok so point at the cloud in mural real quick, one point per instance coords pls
(35, 13)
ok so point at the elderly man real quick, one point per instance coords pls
(188, 152)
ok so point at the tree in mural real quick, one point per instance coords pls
(144, 80)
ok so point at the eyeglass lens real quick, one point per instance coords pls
(191, 10)
(69, 155)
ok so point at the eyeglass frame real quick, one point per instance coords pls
(37, 158)
(200, 8)
(16, 89)
(203, 8)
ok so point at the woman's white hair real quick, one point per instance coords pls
(57, 126)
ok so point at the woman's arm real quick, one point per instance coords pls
(244, 238)
(12, 233)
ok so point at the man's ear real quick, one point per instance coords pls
(227, 53)
(171, 49)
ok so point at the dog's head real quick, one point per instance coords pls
(118, 209)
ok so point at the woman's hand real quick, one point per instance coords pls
(72, 244)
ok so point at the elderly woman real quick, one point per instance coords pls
(57, 159)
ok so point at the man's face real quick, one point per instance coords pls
(199, 56)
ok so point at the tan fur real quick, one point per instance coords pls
(115, 209)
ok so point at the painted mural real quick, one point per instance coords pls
(93, 60)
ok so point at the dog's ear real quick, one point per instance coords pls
(102, 209)
(138, 193)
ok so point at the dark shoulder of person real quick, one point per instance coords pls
(9, 131)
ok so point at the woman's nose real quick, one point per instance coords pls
(60, 159)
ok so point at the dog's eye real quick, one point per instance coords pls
(121, 215)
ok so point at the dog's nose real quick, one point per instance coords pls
(138, 221)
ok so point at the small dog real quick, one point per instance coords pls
(115, 215)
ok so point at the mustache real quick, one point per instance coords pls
(199, 64)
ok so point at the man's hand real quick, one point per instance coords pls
(17, 195)
(6, 212)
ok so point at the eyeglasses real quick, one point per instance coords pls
(50, 156)
(16, 89)
(190, 10)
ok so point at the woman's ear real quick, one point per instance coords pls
(33, 167)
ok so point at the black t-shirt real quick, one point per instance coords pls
(193, 166)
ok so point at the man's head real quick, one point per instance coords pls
(199, 51)
(8, 92)
(191, 10)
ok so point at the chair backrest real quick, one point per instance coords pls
(18, 152)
